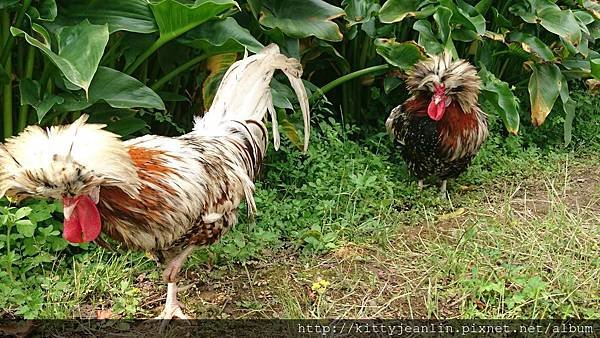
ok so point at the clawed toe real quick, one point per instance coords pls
(170, 312)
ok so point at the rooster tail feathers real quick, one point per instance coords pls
(244, 93)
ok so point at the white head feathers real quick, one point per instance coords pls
(64, 160)
(459, 78)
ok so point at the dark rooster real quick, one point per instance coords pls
(162, 195)
(440, 128)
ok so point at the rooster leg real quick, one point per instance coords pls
(421, 185)
(443, 189)
(172, 306)
(174, 266)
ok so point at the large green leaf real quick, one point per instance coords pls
(360, 11)
(131, 15)
(126, 126)
(175, 18)
(569, 106)
(442, 18)
(119, 121)
(551, 17)
(221, 36)
(397, 10)
(31, 94)
(592, 6)
(465, 15)
(528, 9)
(8, 3)
(80, 49)
(426, 37)
(117, 89)
(324, 51)
(400, 54)
(48, 10)
(562, 23)
(499, 97)
(282, 95)
(533, 44)
(595, 68)
(300, 18)
(544, 88)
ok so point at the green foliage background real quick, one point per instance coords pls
(142, 66)
(149, 67)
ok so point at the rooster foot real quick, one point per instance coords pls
(421, 184)
(172, 308)
(170, 311)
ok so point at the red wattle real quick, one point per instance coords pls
(84, 224)
(436, 111)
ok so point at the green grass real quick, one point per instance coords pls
(343, 231)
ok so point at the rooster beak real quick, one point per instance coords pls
(68, 210)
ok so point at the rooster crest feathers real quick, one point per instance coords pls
(459, 78)
(70, 159)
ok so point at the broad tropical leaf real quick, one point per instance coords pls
(397, 10)
(498, 95)
(544, 88)
(31, 94)
(533, 44)
(175, 18)
(8, 3)
(442, 17)
(80, 49)
(221, 36)
(592, 6)
(465, 15)
(569, 106)
(126, 126)
(360, 11)
(300, 18)
(551, 17)
(117, 89)
(48, 10)
(131, 15)
(427, 38)
(562, 23)
(595, 68)
(400, 54)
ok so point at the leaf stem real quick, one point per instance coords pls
(24, 110)
(9, 226)
(184, 67)
(8, 43)
(145, 55)
(331, 85)
(7, 117)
